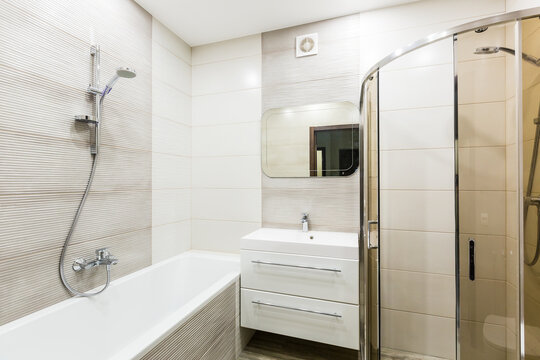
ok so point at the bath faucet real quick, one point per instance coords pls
(103, 257)
(305, 222)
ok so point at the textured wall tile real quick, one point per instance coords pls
(45, 67)
(332, 75)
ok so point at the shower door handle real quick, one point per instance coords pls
(369, 244)
(472, 266)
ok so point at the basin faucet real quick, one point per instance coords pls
(103, 257)
(305, 222)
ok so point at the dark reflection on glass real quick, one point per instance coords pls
(333, 150)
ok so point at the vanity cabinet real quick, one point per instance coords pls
(290, 286)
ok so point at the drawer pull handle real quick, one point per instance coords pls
(258, 302)
(295, 266)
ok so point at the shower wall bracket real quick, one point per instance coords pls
(94, 89)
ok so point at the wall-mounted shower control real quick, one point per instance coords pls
(103, 257)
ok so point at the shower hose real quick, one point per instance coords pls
(70, 234)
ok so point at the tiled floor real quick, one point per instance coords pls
(266, 346)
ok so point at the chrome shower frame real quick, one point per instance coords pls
(367, 223)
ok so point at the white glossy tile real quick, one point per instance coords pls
(170, 206)
(227, 204)
(226, 50)
(170, 171)
(416, 88)
(437, 53)
(226, 140)
(482, 168)
(429, 252)
(170, 240)
(431, 169)
(227, 108)
(230, 75)
(417, 210)
(418, 333)
(170, 69)
(423, 293)
(170, 137)
(227, 172)
(166, 38)
(170, 103)
(216, 235)
(417, 128)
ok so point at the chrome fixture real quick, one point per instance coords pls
(294, 266)
(305, 222)
(528, 199)
(259, 302)
(103, 257)
(495, 49)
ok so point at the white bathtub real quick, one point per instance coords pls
(134, 314)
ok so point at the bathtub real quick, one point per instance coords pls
(130, 319)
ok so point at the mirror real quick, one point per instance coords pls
(310, 141)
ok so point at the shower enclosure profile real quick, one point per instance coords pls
(451, 195)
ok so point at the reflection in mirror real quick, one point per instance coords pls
(311, 141)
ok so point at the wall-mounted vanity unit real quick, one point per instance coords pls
(301, 284)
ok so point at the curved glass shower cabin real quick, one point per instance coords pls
(451, 182)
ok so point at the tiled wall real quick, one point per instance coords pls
(45, 67)
(226, 175)
(417, 203)
(171, 144)
(332, 75)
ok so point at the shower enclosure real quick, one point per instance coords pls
(452, 195)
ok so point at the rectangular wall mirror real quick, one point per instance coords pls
(311, 140)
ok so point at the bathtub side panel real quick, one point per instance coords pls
(208, 334)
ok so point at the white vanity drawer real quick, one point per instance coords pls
(317, 320)
(311, 276)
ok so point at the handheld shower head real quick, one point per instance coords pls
(495, 49)
(486, 50)
(121, 72)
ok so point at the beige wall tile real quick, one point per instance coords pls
(418, 333)
(482, 212)
(417, 210)
(428, 252)
(417, 169)
(423, 293)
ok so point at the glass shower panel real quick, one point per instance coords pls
(417, 223)
(531, 185)
(487, 202)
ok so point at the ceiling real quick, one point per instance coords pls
(201, 22)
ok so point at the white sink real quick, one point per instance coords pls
(315, 243)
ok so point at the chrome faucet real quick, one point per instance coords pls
(103, 257)
(305, 222)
